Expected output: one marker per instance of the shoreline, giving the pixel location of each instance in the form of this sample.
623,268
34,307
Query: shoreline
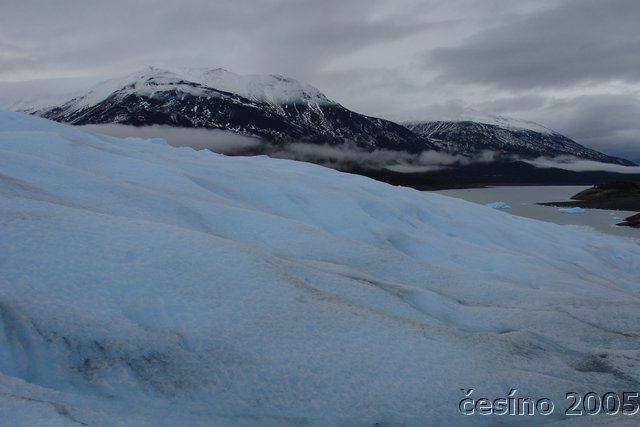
616,196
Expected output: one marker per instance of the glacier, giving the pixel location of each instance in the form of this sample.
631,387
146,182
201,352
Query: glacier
148,285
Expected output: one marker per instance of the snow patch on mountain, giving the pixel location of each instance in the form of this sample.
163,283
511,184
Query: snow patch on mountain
144,82
272,89
418,116
471,115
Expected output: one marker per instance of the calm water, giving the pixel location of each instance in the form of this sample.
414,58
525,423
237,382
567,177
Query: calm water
522,202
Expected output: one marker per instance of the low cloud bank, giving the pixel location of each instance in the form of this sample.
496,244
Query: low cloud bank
349,156
581,165
346,156
220,141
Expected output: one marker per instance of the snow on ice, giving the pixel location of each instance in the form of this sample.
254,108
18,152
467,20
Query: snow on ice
146,285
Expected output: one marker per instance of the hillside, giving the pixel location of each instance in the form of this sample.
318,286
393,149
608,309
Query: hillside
520,139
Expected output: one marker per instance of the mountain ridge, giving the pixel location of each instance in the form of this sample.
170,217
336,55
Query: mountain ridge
275,108
526,141
282,110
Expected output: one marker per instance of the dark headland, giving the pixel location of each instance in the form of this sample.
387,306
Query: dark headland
619,195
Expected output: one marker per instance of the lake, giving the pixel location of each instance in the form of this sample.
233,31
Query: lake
522,201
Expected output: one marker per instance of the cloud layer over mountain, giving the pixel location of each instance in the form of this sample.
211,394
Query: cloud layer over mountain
563,63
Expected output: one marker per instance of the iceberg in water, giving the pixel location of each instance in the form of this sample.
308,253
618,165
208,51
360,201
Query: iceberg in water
145,285
575,210
498,205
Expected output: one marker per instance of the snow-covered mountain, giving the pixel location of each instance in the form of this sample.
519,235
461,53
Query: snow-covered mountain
275,108
273,89
506,136
146,285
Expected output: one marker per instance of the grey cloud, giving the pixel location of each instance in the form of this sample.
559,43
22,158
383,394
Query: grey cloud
275,36
596,115
392,89
578,41
491,55
579,165
39,93
512,105
452,110
338,157
345,157
624,144
608,123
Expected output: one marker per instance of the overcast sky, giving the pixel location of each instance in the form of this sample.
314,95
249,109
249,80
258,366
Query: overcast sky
572,65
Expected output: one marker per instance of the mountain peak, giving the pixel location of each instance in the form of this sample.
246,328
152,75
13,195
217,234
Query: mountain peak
476,116
270,88
276,90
